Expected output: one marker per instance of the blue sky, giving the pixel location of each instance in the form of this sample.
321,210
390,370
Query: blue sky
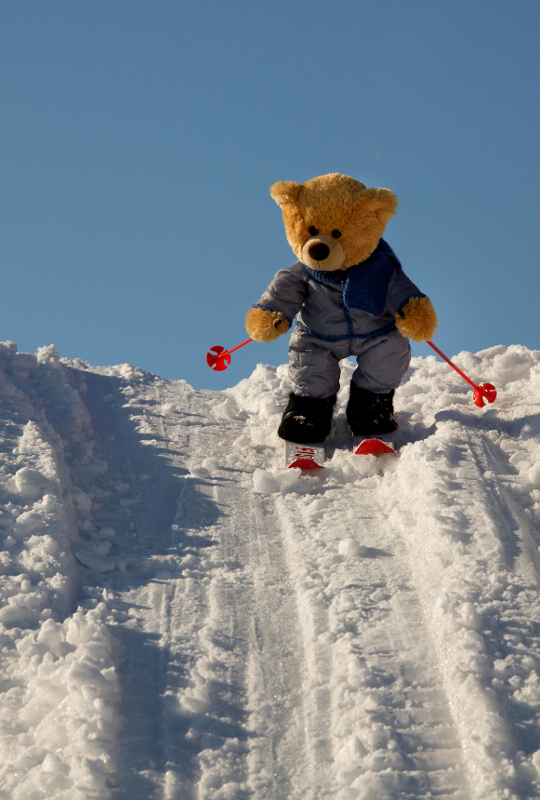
139,140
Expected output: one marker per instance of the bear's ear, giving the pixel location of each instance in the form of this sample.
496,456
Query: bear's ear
284,192
382,202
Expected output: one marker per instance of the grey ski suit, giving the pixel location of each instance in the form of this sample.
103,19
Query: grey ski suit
341,314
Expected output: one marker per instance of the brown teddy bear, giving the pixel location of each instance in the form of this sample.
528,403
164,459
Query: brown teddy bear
350,297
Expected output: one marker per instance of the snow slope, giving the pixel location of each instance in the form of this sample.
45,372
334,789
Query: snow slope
180,618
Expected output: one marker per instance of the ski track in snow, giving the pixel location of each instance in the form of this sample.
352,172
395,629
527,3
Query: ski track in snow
182,619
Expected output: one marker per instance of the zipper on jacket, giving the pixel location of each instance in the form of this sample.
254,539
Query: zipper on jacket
350,328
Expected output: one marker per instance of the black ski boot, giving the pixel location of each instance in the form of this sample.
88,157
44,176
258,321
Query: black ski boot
307,419
370,414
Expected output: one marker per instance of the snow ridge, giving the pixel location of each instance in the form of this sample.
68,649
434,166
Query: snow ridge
60,690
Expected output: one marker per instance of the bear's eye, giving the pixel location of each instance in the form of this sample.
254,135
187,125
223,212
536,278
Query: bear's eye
336,234
313,230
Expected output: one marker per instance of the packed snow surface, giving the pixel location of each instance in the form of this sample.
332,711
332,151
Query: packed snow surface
181,618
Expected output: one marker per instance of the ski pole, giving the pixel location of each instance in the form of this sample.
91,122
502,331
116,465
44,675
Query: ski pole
486,390
219,359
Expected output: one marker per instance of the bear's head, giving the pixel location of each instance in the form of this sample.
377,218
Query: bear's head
333,222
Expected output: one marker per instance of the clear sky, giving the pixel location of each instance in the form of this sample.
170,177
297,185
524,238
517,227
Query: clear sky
139,140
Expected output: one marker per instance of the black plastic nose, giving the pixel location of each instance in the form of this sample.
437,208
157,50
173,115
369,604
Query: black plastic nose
318,251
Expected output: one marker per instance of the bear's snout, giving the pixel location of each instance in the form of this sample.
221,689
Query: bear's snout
323,252
318,251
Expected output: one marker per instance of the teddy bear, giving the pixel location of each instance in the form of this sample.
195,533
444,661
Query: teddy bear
350,297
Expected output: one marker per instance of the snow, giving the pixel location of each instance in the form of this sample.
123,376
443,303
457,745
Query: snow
182,618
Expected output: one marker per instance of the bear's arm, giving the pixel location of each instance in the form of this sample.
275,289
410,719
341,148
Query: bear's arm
286,293
272,316
415,316
400,290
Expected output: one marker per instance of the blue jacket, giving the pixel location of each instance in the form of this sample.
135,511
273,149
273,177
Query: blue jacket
359,302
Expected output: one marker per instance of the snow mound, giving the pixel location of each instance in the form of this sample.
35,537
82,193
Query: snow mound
179,614
60,696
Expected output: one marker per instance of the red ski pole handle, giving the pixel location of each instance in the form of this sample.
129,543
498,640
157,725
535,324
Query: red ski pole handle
219,359
485,391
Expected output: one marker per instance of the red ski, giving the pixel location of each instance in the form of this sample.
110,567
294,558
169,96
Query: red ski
304,456
374,445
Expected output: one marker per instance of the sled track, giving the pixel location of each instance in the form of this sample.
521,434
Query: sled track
214,669
266,668
380,717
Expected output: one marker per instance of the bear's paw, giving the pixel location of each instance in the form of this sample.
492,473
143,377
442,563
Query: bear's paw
264,325
417,320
